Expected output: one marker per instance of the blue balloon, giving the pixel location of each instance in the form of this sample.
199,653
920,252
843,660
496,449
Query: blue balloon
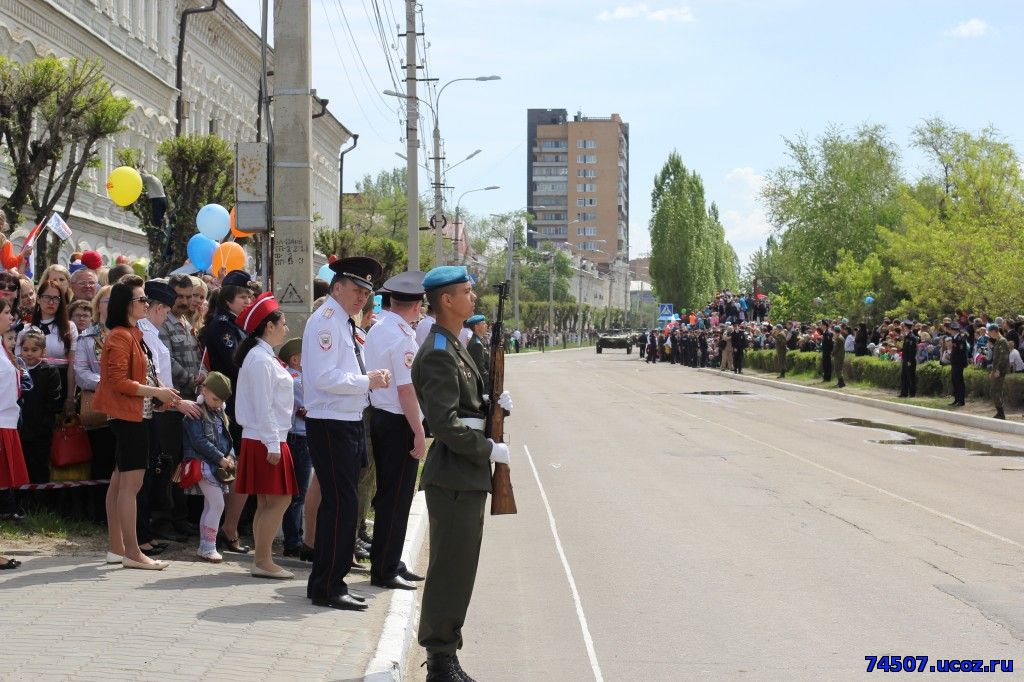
325,273
200,251
213,221
869,299
378,300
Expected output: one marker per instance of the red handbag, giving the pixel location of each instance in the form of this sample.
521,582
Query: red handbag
188,473
70,444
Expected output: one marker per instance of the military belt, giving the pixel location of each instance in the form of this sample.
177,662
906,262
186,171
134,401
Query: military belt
475,423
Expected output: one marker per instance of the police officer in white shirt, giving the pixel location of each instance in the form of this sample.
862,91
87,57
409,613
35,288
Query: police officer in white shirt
335,390
423,327
396,429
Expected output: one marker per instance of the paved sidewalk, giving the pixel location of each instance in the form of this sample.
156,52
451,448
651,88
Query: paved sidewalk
75,618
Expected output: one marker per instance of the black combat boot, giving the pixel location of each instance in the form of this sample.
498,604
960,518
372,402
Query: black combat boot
442,667
1000,414
841,384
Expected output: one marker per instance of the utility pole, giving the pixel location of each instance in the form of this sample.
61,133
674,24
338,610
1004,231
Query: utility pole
551,297
292,156
437,222
412,142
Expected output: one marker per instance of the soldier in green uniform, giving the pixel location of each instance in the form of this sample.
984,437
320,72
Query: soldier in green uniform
838,354
457,472
1000,367
781,339
478,349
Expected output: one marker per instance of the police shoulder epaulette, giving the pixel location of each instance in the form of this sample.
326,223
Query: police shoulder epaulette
440,342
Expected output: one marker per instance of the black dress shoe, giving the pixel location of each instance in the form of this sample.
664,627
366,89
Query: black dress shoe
395,583
306,552
235,545
365,537
445,668
153,551
358,597
409,575
343,602
361,554
293,551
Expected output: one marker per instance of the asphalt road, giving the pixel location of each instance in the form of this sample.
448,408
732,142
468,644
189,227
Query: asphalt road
667,536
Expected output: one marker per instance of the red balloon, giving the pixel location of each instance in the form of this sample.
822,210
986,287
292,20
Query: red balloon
9,259
332,258
122,260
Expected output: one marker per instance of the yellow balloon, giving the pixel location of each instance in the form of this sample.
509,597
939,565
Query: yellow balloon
124,185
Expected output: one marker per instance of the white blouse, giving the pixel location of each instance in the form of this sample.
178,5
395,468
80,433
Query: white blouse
264,398
55,353
10,379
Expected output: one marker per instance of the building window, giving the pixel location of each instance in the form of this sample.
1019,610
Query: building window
553,144
586,231
550,187
589,246
586,202
583,217
586,172
586,158
586,187
554,158
586,144
552,216
555,231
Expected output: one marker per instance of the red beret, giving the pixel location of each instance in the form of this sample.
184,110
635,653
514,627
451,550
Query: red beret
92,260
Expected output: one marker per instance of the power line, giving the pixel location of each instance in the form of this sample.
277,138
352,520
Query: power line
368,80
359,104
377,27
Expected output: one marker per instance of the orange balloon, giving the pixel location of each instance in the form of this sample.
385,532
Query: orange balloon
239,234
230,256
8,258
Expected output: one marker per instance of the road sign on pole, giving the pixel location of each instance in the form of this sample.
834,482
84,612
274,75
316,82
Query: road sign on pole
665,309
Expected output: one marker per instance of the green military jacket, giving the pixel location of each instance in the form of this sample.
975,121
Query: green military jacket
781,337
481,355
838,348
449,388
1001,356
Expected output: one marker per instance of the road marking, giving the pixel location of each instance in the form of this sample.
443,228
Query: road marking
883,491
587,639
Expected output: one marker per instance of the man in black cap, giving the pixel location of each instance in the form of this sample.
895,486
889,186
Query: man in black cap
958,359
335,391
396,430
826,351
908,361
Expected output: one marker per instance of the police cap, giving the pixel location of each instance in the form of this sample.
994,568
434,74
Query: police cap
360,269
405,286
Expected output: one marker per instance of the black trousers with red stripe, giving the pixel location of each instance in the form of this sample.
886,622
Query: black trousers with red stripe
396,484
338,450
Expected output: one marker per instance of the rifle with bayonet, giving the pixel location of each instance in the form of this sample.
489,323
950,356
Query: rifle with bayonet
503,500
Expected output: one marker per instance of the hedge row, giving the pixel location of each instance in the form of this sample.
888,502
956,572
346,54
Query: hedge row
932,378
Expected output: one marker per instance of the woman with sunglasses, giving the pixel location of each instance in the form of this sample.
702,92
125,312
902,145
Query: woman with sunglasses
13,472
125,393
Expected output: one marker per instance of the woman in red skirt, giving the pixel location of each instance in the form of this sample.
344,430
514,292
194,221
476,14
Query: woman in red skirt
263,406
12,463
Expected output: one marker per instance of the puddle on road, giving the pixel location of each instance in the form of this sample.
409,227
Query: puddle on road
929,438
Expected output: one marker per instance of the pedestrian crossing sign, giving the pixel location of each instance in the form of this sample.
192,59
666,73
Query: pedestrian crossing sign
665,309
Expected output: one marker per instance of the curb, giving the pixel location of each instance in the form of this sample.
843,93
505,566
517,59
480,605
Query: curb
986,423
556,350
399,624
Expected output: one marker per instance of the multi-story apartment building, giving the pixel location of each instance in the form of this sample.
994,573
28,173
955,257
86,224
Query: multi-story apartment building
137,41
578,183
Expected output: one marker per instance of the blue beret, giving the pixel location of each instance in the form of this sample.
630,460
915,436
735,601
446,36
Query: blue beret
992,326
476,319
238,278
444,275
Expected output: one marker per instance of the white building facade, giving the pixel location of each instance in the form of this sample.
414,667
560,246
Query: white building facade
137,40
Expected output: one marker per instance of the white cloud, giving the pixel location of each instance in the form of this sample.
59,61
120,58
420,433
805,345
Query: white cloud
642,11
972,28
746,224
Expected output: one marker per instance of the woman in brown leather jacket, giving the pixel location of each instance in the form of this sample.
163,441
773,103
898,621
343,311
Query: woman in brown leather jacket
125,393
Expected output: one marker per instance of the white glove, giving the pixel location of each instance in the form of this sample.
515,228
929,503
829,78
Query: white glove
499,453
505,400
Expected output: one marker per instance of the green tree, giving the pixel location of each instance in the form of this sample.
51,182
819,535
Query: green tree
830,198
53,114
958,246
690,258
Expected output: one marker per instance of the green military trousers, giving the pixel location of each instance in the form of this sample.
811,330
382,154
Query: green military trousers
996,388
456,531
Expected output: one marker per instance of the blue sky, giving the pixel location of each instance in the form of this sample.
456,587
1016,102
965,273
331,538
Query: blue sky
722,82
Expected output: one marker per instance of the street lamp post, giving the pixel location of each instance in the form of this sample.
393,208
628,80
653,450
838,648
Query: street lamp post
579,301
458,205
437,221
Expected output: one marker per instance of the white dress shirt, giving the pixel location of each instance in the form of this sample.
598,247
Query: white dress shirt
264,398
391,345
334,386
465,336
54,352
423,328
848,344
161,355
1016,363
